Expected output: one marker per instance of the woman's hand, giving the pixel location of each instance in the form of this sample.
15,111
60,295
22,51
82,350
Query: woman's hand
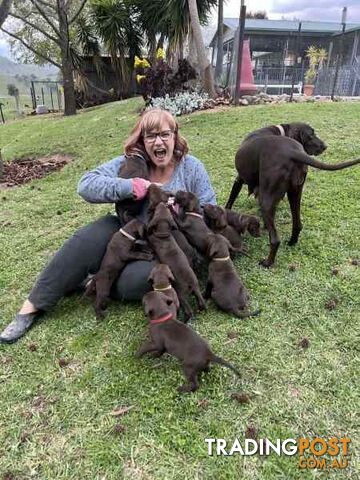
140,187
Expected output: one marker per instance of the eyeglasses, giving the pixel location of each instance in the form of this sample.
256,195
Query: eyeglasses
165,136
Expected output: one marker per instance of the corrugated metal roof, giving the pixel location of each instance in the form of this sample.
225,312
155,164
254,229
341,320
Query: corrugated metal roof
289,25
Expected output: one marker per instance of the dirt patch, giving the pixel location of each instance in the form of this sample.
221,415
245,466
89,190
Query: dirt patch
23,170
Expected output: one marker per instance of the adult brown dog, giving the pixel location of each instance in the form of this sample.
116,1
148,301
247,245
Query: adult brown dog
161,277
119,252
224,285
273,161
132,167
171,336
168,251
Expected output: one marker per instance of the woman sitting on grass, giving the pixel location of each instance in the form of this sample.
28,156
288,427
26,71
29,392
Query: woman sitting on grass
155,137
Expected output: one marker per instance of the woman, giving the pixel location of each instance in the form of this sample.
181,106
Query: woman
156,138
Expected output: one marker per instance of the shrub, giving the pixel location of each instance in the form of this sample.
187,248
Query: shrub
159,79
181,103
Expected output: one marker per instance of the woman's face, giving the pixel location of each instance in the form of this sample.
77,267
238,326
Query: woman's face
159,145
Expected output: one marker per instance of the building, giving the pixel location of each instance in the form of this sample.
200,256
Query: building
277,50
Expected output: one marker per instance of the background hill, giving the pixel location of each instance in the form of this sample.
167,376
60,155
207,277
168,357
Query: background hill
21,75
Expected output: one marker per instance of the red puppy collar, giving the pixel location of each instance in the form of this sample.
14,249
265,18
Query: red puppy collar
162,319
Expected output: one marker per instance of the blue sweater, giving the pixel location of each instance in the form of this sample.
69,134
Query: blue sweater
103,185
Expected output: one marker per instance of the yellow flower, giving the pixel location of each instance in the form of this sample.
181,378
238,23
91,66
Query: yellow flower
160,54
137,62
145,63
139,78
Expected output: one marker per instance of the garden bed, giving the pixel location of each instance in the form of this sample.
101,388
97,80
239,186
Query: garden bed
24,170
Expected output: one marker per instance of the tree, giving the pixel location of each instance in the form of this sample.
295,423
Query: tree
116,23
4,10
43,31
220,41
205,67
13,91
261,14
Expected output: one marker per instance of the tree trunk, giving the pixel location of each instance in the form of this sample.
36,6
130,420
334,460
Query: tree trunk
17,104
66,61
4,10
204,64
220,42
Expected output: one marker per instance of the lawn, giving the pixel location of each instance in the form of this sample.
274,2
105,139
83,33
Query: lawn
60,384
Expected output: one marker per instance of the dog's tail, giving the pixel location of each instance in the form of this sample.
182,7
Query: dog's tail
221,361
301,157
246,313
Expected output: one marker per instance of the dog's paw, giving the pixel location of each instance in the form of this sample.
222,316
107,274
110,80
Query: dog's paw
266,263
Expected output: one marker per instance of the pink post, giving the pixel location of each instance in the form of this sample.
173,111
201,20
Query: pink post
247,86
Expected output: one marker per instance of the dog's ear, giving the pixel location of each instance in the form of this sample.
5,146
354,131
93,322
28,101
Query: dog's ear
151,276
172,223
228,244
141,230
253,226
152,224
220,221
169,273
212,248
193,203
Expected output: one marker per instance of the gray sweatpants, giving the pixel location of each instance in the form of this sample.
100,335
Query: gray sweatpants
80,255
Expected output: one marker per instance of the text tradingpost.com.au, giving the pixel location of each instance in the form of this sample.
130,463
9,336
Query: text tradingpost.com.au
312,453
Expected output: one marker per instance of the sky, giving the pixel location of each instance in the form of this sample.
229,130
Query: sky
325,10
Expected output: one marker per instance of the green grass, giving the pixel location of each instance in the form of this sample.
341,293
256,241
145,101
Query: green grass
56,423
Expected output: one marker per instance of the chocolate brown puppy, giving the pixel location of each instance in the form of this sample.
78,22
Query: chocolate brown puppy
215,217
274,161
191,220
156,195
171,336
224,285
161,277
243,223
119,252
168,251
134,166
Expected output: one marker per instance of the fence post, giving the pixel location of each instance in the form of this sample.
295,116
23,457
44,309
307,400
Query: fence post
297,53
340,55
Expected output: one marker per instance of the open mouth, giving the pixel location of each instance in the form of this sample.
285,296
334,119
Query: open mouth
160,153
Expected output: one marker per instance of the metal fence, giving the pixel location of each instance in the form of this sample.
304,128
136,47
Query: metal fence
347,82
278,79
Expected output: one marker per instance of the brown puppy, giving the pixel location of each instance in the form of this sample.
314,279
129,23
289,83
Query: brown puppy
133,166
243,222
169,252
118,253
215,217
191,220
273,161
156,195
224,285
171,336
161,278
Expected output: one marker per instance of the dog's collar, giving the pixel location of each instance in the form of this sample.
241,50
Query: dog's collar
281,130
127,235
194,214
162,319
221,259
162,289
